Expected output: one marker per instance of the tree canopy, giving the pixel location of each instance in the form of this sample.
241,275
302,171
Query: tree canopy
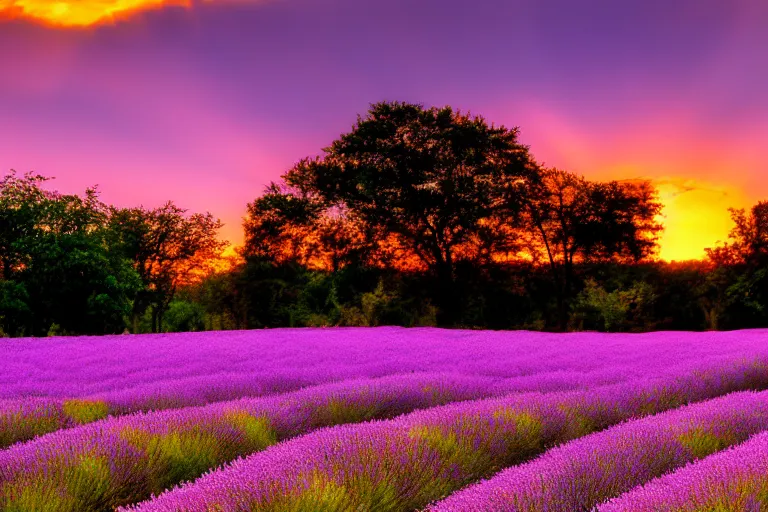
572,220
58,273
431,178
427,189
72,264
167,248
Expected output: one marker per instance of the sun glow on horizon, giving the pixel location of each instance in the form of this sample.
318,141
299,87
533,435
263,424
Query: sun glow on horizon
80,13
695,217
697,182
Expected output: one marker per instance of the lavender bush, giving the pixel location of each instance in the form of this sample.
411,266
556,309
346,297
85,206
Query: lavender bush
733,481
585,472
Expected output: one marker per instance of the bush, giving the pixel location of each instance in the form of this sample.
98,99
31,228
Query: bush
352,316
621,310
183,316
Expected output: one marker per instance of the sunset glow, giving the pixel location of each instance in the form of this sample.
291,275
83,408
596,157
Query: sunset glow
695,217
207,103
79,13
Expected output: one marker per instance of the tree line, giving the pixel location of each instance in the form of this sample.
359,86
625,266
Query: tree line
416,216
74,265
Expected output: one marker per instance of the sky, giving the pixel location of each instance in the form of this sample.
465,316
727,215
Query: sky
204,102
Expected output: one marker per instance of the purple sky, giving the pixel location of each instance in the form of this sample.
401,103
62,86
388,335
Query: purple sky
205,105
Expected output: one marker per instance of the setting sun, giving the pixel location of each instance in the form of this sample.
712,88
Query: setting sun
694,218
79,13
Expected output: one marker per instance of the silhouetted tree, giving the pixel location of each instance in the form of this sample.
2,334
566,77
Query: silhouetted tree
427,180
749,237
740,266
278,224
287,226
572,220
168,248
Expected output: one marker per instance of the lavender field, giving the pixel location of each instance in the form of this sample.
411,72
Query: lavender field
385,419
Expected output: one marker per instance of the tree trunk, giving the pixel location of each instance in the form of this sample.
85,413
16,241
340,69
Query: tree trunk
6,269
447,299
565,295
562,311
154,319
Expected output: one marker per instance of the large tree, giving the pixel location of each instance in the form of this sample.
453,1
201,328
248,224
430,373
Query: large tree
741,266
427,183
168,248
58,272
748,239
22,203
575,221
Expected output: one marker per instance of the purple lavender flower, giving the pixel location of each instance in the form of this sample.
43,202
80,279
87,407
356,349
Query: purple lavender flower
405,463
731,481
587,471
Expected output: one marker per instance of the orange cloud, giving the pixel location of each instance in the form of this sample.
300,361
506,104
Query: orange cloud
79,13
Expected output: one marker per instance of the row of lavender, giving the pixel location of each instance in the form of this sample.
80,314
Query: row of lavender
24,419
410,461
49,385
735,480
149,452
585,473
146,364
629,459
91,366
